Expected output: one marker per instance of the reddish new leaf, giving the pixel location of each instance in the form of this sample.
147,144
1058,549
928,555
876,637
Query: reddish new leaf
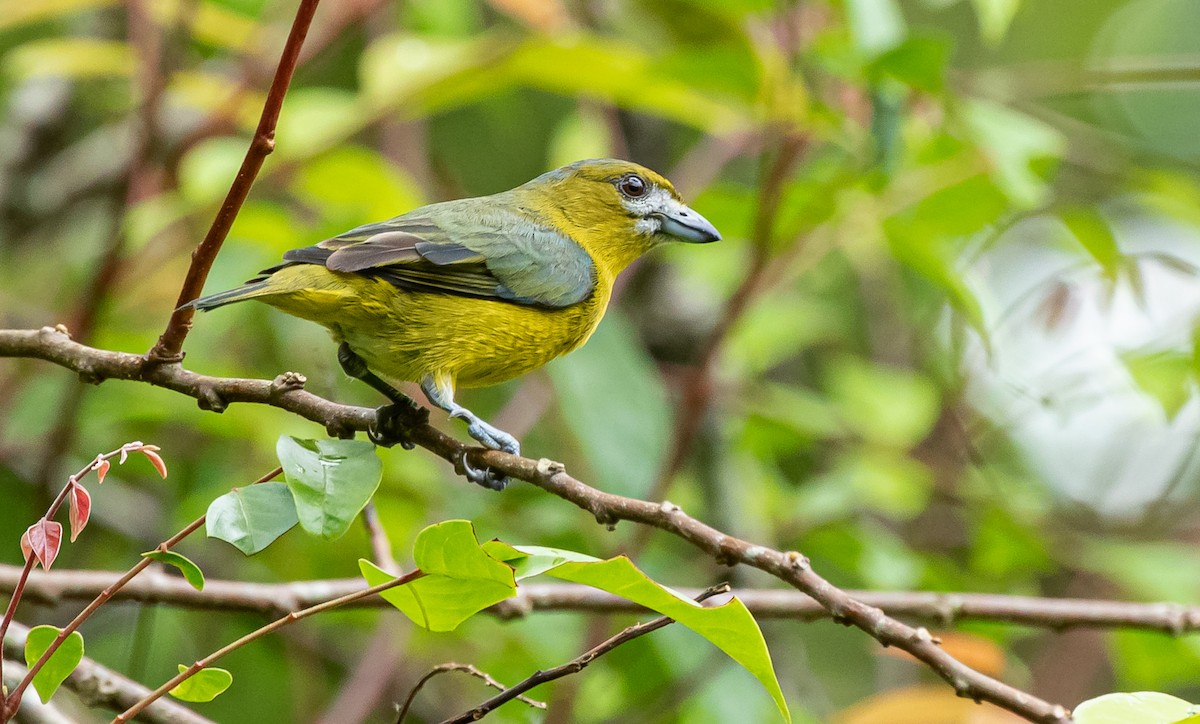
102,470
155,459
81,509
26,546
42,540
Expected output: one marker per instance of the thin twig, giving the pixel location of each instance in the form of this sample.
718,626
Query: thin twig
169,345
463,668
791,567
275,625
579,663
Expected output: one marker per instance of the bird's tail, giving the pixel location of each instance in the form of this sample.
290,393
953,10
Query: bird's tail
249,290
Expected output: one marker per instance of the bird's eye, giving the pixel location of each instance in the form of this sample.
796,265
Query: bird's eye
633,186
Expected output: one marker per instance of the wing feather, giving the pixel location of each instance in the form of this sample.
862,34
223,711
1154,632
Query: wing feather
466,249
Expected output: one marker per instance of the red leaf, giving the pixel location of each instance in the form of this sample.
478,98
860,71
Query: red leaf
43,540
26,546
81,509
155,460
102,470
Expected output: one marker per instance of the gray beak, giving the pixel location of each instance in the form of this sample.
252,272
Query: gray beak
686,225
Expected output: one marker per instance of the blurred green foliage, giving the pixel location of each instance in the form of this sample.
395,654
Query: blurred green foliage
967,361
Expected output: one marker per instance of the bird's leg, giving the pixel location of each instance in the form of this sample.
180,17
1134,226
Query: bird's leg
393,421
440,391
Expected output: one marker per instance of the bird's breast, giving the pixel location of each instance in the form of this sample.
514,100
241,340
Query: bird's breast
478,342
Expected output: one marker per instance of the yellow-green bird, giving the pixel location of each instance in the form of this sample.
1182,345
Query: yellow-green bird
473,292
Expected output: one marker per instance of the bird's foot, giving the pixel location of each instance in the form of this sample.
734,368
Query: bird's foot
489,436
394,422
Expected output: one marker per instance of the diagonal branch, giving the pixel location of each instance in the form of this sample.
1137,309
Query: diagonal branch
53,344
169,345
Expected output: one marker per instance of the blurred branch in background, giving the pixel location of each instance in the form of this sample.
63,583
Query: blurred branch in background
942,609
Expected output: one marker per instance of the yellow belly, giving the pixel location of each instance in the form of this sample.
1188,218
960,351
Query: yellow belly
407,335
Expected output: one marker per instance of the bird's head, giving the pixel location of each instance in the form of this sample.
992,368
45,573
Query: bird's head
618,210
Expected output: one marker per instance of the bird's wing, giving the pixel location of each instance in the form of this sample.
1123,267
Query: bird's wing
465,250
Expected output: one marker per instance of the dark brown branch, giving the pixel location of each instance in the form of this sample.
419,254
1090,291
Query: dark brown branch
169,345
579,663
696,389
791,567
99,686
940,609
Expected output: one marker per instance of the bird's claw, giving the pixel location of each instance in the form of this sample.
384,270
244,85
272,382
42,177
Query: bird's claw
492,438
393,423
484,477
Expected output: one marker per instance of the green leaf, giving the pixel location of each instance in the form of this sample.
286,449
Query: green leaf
730,626
1013,142
59,666
251,518
460,578
919,62
1095,234
620,73
14,13
331,481
191,571
597,387
994,17
355,183
532,561
70,58
877,25
1142,707
317,118
930,235
883,404
1165,376
204,685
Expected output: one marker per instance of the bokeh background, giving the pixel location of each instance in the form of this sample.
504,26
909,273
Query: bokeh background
948,343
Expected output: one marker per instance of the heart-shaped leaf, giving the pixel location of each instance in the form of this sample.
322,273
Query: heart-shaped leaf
42,541
252,518
59,666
